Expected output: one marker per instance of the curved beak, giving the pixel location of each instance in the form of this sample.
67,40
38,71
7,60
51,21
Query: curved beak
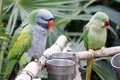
106,23
50,24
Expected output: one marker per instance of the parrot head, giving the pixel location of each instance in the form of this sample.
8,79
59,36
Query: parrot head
44,18
101,18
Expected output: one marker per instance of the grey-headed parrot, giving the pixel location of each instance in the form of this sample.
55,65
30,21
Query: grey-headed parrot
30,38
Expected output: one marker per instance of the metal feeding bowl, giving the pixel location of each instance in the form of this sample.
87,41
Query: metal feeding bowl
70,56
60,69
115,61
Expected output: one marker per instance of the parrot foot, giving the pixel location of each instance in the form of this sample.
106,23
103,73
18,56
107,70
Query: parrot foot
36,59
103,48
91,52
38,62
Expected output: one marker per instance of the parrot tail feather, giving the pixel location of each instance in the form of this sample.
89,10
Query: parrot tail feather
89,69
9,68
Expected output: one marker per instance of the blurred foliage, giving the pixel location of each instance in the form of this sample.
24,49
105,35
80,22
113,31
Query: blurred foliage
70,18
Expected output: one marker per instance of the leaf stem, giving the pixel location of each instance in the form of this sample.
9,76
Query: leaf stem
0,12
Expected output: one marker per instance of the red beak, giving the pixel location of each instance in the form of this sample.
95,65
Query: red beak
50,24
107,23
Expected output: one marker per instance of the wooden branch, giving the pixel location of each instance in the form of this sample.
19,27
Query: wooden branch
83,55
29,71
103,52
78,73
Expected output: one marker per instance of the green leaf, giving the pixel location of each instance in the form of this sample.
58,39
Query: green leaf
118,1
73,17
26,6
5,35
4,39
102,72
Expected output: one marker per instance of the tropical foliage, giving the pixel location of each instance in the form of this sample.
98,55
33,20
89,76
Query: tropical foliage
70,17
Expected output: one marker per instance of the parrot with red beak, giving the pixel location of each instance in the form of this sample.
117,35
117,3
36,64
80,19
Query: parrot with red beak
94,36
30,39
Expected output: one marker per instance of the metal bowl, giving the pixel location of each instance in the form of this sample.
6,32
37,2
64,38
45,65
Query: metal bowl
60,69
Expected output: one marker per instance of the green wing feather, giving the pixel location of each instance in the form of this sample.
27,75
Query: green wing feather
15,36
21,45
21,42
9,68
24,60
85,37
17,33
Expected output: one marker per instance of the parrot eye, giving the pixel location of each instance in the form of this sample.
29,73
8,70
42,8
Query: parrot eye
44,19
107,22
50,19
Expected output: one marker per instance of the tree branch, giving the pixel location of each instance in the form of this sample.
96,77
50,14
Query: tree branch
103,52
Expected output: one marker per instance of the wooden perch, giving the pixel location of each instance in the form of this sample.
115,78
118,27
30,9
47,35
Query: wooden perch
29,72
103,52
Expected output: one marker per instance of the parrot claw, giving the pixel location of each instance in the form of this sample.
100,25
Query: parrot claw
91,52
36,60
103,48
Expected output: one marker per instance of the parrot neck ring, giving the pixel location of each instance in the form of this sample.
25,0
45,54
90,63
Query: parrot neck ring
45,26
107,23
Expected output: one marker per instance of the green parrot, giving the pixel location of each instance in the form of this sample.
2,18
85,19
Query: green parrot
30,38
94,36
